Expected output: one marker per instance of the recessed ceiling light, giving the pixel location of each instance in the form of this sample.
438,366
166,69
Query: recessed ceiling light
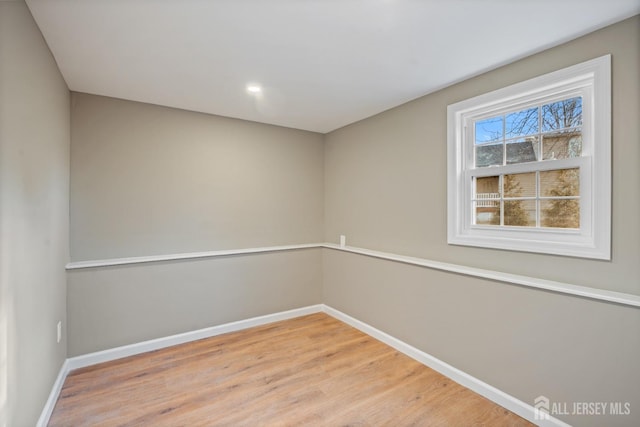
252,88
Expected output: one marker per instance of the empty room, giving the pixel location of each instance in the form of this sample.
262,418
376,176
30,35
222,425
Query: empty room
318,212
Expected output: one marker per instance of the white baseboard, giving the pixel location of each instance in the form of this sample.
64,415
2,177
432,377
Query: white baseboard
501,398
53,396
156,344
159,343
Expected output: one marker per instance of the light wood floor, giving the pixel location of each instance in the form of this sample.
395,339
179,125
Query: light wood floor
312,370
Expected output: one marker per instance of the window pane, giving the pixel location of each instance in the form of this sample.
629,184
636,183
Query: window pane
562,114
522,150
487,215
522,123
561,145
489,130
561,213
488,187
520,213
560,183
520,185
489,155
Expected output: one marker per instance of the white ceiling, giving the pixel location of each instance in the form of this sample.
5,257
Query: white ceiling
322,63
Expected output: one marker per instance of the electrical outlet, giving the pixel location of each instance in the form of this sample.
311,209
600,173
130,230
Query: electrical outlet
59,330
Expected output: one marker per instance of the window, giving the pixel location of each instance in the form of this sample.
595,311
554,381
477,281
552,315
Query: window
529,165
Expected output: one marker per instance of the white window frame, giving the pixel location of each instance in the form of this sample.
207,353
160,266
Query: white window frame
592,81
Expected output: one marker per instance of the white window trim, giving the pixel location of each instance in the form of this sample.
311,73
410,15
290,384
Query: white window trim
593,240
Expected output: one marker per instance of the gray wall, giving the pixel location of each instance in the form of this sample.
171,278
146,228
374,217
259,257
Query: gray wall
114,306
34,216
386,176
149,180
385,189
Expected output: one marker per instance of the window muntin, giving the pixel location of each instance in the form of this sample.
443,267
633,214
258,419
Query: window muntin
516,136
549,198
529,198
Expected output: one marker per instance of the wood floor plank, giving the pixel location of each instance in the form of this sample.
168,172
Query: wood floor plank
312,370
